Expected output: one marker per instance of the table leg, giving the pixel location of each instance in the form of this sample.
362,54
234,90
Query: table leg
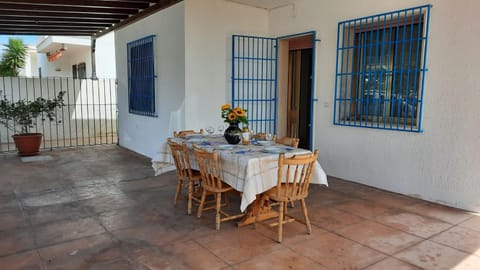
260,206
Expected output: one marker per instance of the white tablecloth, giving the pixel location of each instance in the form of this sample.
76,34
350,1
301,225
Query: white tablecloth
248,168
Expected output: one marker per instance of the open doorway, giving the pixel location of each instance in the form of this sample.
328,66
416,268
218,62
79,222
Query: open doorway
295,67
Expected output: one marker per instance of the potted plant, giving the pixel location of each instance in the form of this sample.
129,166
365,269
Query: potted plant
233,116
20,116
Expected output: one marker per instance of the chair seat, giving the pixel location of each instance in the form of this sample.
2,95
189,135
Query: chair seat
225,187
283,196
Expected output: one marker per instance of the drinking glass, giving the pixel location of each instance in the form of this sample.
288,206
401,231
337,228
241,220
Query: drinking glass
210,130
269,137
221,128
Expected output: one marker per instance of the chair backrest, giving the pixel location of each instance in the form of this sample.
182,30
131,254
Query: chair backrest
209,169
181,159
289,141
294,173
259,136
262,136
184,133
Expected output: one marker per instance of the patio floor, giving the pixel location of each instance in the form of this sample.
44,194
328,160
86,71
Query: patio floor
101,208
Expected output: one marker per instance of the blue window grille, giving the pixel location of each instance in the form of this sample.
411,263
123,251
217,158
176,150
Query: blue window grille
380,70
254,80
141,76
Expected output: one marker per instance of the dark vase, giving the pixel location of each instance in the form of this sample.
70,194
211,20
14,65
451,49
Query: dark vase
233,134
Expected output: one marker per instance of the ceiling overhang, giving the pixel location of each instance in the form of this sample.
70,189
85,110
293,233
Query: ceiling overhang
73,17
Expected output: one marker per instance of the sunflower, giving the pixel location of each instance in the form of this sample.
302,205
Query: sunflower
239,111
225,107
232,116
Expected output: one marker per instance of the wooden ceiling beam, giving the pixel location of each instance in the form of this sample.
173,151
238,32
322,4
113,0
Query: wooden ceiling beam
47,24
84,3
56,20
74,17
48,27
54,15
43,32
60,29
70,9
163,4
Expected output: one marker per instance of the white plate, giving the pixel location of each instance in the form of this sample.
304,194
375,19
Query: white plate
197,140
264,143
274,150
225,147
194,136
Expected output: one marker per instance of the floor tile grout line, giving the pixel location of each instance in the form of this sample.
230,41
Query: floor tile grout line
380,251
374,218
391,257
457,249
420,201
294,251
211,252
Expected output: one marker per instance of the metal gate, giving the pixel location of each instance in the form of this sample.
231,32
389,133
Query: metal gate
89,116
254,80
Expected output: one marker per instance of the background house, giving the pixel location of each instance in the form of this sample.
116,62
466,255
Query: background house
193,65
73,56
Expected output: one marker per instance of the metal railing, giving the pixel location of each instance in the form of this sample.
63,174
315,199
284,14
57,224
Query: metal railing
89,116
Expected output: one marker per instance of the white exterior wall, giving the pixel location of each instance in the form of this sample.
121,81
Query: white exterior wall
440,164
76,54
209,26
63,66
30,69
105,56
142,134
195,64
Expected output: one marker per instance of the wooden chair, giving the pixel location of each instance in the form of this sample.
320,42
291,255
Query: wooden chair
185,174
184,133
292,184
262,136
289,141
259,136
212,183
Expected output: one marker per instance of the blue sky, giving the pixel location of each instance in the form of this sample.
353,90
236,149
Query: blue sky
27,40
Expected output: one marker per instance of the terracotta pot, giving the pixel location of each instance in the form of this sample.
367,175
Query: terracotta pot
28,144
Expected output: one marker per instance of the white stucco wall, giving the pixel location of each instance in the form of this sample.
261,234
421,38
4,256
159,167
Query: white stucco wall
142,134
105,56
31,67
209,26
62,67
77,53
194,80
440,164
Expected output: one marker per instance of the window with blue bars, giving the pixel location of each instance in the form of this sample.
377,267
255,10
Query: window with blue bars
141,76
380,71
254,80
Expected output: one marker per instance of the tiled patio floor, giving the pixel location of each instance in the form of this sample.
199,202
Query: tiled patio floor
101,208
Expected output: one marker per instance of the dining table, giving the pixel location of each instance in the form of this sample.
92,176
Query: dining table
249,169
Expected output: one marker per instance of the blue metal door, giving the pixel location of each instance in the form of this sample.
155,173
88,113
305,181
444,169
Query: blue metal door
254,80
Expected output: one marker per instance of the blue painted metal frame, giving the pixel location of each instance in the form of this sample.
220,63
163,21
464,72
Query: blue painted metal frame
254,80
406,103
141,76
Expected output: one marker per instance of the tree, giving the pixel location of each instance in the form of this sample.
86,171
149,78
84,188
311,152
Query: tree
13,58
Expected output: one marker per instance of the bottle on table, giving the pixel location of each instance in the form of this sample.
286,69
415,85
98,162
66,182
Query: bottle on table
245,136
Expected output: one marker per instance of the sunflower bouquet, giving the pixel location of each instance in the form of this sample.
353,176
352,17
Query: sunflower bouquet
234,115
